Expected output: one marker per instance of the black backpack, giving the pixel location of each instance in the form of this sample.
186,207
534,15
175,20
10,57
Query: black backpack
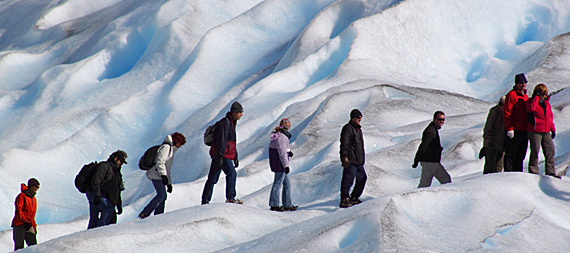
83,179
148,159
209,135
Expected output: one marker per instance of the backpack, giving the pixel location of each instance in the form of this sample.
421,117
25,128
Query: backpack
148,159
209,135
83,179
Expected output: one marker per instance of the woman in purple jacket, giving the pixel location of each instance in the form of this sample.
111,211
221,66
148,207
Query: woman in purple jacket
279,153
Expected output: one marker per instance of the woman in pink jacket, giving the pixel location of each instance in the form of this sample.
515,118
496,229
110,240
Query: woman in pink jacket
541,130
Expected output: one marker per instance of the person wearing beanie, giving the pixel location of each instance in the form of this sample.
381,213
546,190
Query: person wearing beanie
352,157
24,222
224,156
429,153
279,154
494,134
515,118
104,193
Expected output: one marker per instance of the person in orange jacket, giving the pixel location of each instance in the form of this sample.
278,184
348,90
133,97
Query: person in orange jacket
24,222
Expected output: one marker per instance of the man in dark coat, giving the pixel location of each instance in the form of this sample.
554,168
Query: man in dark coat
352,158
106,187
494,138
224,156
429,153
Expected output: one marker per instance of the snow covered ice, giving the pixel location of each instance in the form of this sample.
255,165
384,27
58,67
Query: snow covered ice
80,79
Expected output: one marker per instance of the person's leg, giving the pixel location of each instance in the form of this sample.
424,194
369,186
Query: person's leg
213,176
441,174
500,161
160,189
18,234
490,160
535,141
521,150
31,238
360,182
428,171
348,175
548,151
107,209
286,192
511,146
231,176
277,181
93,211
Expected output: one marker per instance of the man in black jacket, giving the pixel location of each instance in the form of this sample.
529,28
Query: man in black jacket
429,153
106,185
352,159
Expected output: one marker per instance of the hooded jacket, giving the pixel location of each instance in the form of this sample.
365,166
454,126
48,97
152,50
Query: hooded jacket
224,144
430,148
25,208
107,181
543,118
164,161
352,144
514,111
494,131
279,151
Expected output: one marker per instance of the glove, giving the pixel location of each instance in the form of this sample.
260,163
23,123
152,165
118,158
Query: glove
164,180
553,134
511,133
290,154
119,210
345,162
27,225
169,188
97,200
482,153
220,163
415,165
236,162
287,170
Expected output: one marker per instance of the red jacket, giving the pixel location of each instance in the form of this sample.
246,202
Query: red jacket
543,122
514,111
25,209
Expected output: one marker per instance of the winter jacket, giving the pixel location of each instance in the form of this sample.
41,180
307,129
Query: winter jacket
542,112
494,131
164,160
514,111
224,144
25,208
352,144
107,181
279,150
430,148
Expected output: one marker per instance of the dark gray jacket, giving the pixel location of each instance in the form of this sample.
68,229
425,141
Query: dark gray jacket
107,181
430,148
352,144
494,132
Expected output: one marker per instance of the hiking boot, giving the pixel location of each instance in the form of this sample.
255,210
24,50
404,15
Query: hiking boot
355,201
234,201
277,209
143,216
205,203
345,203
292,208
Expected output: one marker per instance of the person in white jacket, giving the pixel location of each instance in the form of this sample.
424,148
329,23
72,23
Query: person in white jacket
159,174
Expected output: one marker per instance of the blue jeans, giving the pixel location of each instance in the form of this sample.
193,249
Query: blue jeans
106,209
158,202
280,179
348,176
213,177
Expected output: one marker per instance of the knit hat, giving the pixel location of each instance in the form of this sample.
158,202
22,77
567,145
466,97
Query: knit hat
502,99
33,182
355,113
283,122
520,78
236,108
121,155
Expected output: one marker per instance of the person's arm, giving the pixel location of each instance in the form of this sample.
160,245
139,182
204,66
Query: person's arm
161,158
221,133
100,177
488,129
507,111
427,138
282,149
345,137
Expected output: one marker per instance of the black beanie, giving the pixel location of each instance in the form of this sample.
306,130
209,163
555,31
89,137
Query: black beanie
33,182
355,113
520,78
236,107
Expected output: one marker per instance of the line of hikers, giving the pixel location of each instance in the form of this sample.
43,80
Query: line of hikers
516,116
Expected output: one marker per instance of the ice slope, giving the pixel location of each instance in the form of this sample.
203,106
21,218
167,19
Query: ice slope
77,85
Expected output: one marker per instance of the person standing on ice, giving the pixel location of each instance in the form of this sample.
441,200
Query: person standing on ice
224,156
541,130
279,153
106,185
429,153
352,158
494,139
160,175
24,222
515,117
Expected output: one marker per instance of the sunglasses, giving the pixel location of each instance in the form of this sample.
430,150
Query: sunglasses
441,119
